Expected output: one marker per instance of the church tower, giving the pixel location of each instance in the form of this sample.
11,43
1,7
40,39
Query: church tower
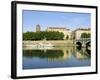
38,28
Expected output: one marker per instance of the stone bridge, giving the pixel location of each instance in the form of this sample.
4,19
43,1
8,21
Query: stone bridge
83,42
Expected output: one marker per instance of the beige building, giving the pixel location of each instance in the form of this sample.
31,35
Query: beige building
77,33
67,33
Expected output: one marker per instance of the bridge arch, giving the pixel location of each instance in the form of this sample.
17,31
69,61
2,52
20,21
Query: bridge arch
78,43
88,45
83,42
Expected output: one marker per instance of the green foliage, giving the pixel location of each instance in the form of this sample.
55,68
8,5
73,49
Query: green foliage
85,35
51,35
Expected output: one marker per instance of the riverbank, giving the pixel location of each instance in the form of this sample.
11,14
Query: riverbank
53,42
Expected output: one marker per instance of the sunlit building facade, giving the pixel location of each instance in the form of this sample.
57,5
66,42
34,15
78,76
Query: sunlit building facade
77,33
67,32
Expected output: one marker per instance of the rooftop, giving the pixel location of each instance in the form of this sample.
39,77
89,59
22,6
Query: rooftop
58,28
82,29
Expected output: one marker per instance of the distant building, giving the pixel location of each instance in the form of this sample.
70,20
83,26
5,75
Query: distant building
77,33
66,32
38,28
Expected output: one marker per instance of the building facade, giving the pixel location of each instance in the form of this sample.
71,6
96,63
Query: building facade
67,33
78,32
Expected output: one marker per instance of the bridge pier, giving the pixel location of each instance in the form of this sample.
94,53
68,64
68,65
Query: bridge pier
84,45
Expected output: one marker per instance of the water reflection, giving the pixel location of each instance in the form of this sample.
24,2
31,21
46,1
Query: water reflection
43,54
58,53
82,53
56,57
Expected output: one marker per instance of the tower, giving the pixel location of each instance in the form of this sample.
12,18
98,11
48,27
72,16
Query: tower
38,28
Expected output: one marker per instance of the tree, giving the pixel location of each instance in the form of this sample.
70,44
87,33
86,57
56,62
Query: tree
51,35
85,35
89,35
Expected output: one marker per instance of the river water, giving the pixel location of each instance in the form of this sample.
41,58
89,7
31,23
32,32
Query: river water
56,57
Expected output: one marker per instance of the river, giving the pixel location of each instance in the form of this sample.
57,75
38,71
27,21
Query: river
56,57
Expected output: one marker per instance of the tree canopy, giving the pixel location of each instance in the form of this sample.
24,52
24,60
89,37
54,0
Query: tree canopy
51,35
85,35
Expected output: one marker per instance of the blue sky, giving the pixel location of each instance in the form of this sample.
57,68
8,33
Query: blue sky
55,19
